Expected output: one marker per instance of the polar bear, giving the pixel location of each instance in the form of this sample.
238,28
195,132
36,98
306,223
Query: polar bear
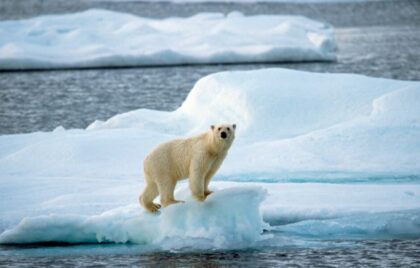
197,158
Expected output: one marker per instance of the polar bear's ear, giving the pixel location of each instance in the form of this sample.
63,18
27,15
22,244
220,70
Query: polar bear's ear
212,127
234,126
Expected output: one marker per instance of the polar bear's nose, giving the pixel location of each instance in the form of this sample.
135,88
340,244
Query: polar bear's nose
223,135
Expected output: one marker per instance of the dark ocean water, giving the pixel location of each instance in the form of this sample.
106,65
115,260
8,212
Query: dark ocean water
378,38
366,253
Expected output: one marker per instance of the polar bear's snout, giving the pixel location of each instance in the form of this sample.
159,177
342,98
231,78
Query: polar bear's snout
223,135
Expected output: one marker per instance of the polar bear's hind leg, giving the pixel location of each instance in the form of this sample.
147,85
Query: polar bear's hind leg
148,195
166,190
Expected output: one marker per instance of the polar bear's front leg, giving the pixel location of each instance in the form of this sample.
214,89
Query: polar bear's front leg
213,169
197,182
209,175
197,187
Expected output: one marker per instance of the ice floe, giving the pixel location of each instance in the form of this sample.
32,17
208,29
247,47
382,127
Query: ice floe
229,218
334,154
290,125
234,217
100,38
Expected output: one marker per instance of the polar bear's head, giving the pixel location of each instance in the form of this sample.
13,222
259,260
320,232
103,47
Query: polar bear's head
224,133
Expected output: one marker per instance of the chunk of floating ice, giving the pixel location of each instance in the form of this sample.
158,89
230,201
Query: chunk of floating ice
378,225
228,218
100,38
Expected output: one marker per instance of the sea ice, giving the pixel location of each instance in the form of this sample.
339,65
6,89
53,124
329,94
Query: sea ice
344,147
291,125
100,38
233,217
228,218
402,224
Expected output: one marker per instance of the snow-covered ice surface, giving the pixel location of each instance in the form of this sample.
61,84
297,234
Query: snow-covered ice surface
100,38
316,156
294,123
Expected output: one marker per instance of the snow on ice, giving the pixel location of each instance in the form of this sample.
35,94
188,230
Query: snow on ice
100,38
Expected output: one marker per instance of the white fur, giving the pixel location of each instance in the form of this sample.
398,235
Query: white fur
197,158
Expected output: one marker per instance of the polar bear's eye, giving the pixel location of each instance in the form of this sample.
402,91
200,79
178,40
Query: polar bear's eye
228,129
219,128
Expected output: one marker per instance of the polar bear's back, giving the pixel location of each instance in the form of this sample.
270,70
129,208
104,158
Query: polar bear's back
171,159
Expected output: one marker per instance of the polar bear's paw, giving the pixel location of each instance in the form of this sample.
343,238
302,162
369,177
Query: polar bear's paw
166,203
200,198
153,207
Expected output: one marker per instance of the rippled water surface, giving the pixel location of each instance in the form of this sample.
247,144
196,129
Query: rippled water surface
372,253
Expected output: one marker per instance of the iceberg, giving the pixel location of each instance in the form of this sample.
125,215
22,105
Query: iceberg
100,38
315,155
